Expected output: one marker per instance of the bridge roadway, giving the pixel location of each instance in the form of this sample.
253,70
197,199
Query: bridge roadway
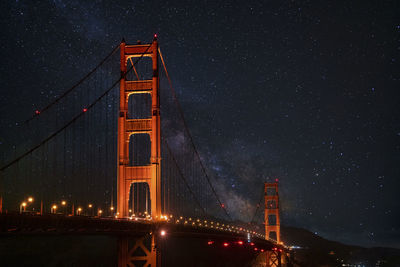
61,224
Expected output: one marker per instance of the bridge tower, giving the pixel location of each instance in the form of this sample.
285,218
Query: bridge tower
151,173
272,220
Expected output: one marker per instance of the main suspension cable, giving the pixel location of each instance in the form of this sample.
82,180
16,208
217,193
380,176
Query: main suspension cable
190,137
183,177
258,206
38,112
44,141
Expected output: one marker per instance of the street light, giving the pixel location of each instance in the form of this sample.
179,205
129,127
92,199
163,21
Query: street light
54,209
22,206
30,199
99,212
64,204
90,206
78,211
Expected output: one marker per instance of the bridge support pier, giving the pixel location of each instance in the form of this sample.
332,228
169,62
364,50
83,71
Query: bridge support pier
274,258
141,251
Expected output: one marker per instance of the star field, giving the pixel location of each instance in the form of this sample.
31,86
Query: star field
303,91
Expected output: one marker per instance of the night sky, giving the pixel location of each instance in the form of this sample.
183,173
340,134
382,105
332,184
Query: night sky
303,91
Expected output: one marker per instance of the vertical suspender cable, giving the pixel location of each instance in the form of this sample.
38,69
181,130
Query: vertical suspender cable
191,139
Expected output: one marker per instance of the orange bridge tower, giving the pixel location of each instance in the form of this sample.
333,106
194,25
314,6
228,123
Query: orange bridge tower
149,174
272,220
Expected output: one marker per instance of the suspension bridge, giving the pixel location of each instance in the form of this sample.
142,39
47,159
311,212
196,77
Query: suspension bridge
99,159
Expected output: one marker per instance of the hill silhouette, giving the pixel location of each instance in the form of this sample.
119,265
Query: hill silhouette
317,251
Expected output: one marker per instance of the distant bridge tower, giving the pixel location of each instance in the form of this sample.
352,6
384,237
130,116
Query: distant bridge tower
272,220
151,173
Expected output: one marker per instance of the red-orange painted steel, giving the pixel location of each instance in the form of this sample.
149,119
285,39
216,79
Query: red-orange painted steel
151,174
272,209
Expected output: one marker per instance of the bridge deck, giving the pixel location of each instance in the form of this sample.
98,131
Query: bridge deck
60,224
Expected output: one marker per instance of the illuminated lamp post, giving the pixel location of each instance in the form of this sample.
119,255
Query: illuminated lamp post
64,204
53,209
22,206
90,206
